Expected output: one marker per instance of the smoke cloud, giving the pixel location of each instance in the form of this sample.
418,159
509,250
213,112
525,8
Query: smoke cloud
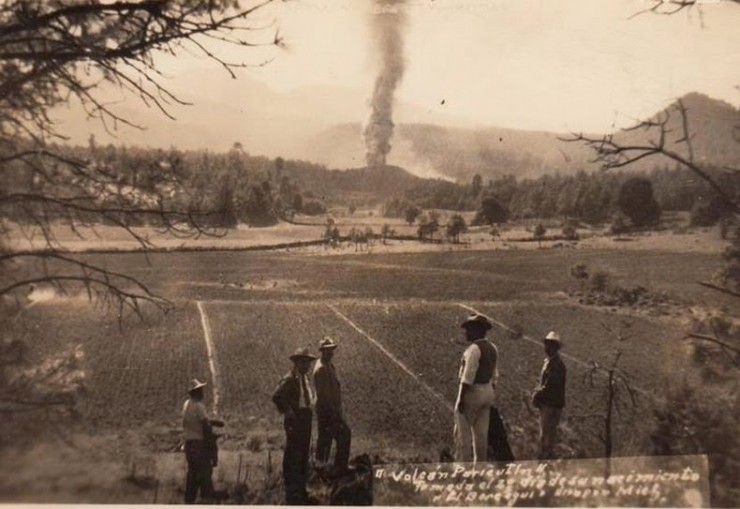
388,23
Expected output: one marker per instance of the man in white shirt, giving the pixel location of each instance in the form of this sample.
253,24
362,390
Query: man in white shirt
195,425
478,375
295,398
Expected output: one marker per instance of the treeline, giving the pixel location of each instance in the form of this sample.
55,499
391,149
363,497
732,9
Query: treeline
216,189
590,197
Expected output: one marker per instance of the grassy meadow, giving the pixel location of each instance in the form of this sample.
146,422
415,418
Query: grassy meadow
397,319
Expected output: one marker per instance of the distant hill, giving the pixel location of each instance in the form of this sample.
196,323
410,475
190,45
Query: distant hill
459,153
456,153
714,129
322,125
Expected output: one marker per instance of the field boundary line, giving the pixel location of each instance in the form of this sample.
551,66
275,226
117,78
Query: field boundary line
416,268
392,357
211,350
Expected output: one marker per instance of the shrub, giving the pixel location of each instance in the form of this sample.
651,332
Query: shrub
708,213
703,420
580,272
599,281
619,224
569,232
539,231
313,208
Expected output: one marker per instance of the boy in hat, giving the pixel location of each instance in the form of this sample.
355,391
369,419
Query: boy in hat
478,374
331,423
295,399
549,396
196,426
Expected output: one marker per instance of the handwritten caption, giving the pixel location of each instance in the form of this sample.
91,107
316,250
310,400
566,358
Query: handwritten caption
665,481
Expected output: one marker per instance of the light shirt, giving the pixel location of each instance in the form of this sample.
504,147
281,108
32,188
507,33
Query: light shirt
193,415
469,365
307,395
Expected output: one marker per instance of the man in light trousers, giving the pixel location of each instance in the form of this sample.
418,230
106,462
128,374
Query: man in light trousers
478,375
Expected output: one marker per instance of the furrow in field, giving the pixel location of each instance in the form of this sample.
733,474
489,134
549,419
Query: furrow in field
382,402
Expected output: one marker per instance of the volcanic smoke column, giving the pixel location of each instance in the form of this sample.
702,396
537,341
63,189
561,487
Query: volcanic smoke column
387,25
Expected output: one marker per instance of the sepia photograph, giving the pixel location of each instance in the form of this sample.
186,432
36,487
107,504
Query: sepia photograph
422,253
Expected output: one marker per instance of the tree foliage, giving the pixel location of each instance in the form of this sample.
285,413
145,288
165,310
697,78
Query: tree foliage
491,212
411,213
54,53
696,418
636,201
455,226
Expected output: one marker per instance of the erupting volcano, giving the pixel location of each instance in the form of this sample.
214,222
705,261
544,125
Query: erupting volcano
378,129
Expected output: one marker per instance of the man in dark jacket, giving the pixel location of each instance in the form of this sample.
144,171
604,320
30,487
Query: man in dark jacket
331,423
295,399
549,397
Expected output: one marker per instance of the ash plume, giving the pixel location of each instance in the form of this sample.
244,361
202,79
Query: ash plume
388,23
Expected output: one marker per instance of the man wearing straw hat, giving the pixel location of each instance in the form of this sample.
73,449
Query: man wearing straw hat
549,396
478,374
197,425
295,399
331,423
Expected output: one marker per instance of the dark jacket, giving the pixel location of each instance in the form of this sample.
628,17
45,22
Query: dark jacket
551,391
287,393
328,391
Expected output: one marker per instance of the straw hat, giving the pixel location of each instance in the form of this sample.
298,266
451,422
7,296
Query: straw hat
327,344
477,320
302,353
195,384
554,337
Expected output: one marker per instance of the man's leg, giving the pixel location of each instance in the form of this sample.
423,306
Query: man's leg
291,475
191,480
343,435
303,431
206,482
463,439
323,441
549,418
480,434
554,427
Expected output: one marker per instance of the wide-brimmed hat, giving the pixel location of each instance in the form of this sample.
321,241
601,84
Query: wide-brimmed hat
327,344
554,337
302,353
477,320
195,384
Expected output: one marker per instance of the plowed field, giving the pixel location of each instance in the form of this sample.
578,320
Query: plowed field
396,318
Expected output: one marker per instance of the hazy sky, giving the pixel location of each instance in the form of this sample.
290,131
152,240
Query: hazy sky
533,64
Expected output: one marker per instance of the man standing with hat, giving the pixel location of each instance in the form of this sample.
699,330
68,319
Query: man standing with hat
295,399
478,374
196,426
331,423
549,396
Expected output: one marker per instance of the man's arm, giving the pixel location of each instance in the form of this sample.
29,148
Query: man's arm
554,381
471,360
280,396
494,379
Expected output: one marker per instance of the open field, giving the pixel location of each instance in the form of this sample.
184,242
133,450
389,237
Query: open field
396,317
